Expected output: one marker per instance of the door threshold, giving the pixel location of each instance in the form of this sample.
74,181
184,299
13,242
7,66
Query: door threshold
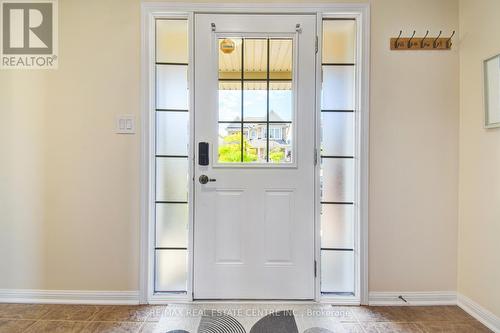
255,301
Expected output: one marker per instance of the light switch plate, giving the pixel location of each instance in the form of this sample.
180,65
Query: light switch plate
125,124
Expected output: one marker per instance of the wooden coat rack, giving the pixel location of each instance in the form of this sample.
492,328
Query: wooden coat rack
421,43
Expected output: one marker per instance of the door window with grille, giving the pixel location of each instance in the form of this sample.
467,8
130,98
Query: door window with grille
256,106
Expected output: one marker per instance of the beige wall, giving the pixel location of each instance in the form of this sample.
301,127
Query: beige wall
479,218
70,200
92,176
22,184
414,151
72,222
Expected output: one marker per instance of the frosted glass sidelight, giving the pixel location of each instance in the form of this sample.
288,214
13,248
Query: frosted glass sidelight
337,226
339,41
171,270
337,179
338,148
172,41
171,87
171,225
338,88
337,133
337,271
172,133
171,179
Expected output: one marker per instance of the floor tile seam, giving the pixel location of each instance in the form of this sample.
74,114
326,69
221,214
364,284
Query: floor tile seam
101,309
30,326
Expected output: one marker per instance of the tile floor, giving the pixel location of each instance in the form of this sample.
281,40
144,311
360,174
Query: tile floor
233,318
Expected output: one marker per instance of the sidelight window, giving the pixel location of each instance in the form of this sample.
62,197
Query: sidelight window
338,157
171,155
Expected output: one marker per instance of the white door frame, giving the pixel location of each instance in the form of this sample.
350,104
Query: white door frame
151,11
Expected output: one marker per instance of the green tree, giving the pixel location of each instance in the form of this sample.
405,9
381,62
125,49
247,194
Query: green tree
230,151
276,155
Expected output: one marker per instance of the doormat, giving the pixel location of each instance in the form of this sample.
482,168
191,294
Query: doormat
249,318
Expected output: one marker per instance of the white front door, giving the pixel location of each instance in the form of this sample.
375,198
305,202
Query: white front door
254,196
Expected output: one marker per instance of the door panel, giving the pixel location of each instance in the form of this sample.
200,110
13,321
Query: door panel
229,210
279,226
254,223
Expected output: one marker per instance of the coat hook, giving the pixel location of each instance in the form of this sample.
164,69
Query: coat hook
396,45
435,43
212,25
409,40
448,42
423,40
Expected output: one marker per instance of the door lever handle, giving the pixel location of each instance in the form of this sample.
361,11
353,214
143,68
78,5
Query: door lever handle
204,179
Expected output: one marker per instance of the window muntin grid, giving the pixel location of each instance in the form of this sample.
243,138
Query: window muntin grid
255,97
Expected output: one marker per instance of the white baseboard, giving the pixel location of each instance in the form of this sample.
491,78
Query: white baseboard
68,296
487,318
413,298
132,297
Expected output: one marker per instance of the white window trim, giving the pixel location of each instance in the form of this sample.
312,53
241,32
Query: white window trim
152,10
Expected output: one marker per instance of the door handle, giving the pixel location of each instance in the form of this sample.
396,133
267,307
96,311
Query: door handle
204,179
